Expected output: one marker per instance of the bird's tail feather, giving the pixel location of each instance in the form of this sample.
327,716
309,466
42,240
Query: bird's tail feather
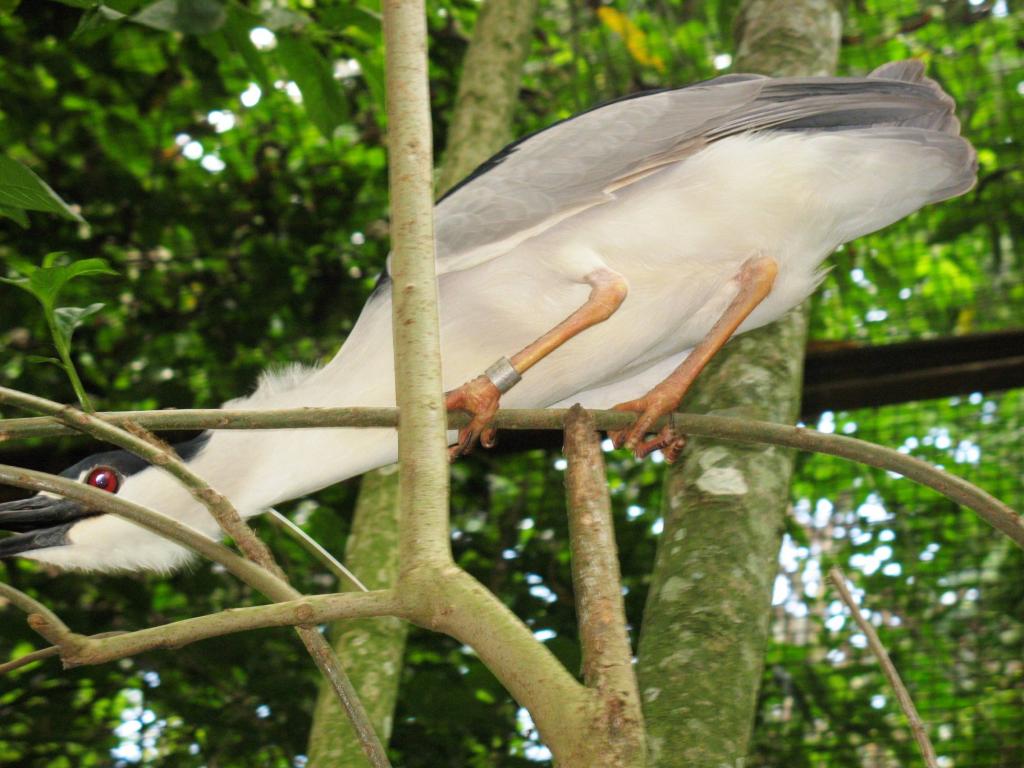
912,71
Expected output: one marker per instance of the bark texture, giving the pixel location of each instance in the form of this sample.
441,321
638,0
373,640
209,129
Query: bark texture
618,726
372,648
705,625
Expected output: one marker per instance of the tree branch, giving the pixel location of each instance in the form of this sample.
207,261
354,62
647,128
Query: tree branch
920,730
34,608
306,611
372,648
492,71
455,603
422,439
993,511
44,653
597,584
435,592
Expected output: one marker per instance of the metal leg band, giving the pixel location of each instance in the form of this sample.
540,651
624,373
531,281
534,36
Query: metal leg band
503,375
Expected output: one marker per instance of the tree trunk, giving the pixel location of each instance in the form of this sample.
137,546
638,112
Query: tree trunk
705,624
488,88
372,649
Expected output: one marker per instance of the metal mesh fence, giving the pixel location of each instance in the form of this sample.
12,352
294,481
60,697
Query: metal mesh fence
944,590
955,267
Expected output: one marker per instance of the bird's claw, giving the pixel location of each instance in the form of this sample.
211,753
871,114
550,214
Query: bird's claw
668,441
480,398
651,407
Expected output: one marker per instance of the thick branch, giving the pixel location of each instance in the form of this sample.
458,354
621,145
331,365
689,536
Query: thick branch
372,648
481,123
306,611
597,584
491,74
422,442
453,602
724,508
838,579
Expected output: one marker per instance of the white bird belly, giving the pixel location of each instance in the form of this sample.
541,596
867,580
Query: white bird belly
679,237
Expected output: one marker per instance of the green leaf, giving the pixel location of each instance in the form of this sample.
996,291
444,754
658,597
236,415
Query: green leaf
70,318
96,22
192,17
44,359
78,3
46,282
313,74
20,282
18,214
20,188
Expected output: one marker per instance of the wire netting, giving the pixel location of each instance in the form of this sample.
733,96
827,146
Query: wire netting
945,591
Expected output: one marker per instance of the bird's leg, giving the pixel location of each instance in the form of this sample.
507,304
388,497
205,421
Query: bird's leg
755,279
480,396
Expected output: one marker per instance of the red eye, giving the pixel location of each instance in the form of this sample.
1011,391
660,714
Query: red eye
104,478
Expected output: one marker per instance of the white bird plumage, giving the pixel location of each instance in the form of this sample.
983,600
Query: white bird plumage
673,191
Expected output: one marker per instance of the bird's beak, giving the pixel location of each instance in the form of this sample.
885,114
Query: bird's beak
40,521
40,511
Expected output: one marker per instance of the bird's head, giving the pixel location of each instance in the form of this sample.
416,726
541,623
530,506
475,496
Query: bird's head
67,533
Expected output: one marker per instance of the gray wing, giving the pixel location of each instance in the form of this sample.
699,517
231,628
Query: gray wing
535,183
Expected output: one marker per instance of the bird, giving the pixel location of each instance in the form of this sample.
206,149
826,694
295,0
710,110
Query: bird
602,261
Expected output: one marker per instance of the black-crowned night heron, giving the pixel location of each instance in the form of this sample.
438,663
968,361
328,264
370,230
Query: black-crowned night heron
603,259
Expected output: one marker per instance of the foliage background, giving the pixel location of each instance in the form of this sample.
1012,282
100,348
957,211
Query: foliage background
248,232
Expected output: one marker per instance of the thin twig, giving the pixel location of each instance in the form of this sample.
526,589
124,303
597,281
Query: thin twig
33,607
28,658
920,730
994,512
45,653
314,547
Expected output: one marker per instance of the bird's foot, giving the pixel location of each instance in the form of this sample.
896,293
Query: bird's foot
479,398
651,407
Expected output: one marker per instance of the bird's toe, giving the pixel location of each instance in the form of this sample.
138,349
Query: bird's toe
668,441
480,398
650,408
